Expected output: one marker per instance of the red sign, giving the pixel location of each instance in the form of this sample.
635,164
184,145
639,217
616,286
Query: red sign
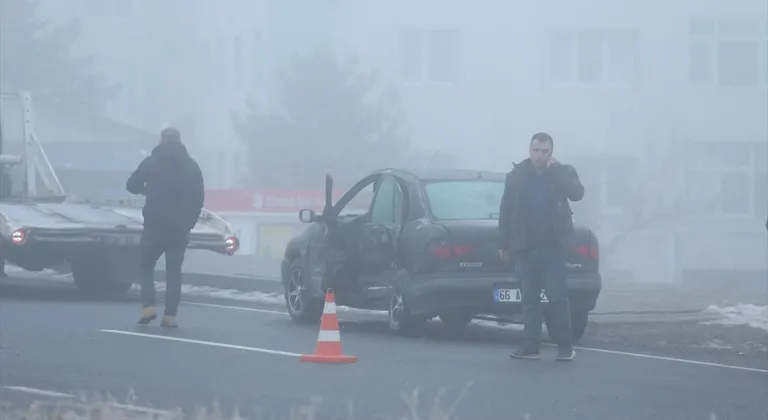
264,200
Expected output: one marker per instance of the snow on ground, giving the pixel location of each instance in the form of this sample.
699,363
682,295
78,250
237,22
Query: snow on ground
742,314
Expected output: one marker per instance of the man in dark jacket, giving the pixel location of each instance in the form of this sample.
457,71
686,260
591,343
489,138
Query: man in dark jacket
173,185
535,221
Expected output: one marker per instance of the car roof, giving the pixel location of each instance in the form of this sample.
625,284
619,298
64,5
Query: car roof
447,174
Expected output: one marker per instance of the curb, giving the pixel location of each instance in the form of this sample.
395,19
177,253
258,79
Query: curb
233,282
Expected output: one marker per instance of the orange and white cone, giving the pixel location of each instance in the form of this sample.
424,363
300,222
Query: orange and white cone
328,348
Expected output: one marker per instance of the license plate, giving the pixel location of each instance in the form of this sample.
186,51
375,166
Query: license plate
513,295
120,240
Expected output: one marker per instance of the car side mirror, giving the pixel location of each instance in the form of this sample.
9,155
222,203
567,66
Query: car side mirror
307,216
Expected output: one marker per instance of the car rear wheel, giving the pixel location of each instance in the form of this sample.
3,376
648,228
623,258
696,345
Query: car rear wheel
456,320
401,321
579,321
302,307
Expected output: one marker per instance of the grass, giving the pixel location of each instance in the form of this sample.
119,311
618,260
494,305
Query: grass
110,409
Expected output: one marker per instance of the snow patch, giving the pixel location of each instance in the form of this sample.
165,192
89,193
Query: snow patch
742,314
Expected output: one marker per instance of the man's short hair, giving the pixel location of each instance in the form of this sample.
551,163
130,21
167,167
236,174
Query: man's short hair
543,137
170,135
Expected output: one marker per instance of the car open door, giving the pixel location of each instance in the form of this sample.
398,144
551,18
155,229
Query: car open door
333,254
380,235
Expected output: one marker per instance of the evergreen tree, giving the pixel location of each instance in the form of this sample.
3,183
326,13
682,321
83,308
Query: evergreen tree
36,56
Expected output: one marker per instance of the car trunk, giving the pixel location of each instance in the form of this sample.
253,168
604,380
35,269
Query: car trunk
472,246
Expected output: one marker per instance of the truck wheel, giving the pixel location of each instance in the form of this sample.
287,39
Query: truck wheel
100,277
302,307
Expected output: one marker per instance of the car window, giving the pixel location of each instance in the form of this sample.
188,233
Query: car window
383,211
361,202
457,200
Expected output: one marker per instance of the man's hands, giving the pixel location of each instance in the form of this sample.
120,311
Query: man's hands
551,161
504,254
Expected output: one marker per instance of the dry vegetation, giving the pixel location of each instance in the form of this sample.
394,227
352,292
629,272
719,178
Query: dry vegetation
111,409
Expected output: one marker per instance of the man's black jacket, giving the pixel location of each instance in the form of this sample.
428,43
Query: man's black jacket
173,185
512,226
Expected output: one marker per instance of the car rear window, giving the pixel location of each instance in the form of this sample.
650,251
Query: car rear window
458,200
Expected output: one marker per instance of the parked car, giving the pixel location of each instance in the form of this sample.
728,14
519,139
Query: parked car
426,247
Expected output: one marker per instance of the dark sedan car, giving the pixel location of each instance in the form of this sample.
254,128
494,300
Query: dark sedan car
425,246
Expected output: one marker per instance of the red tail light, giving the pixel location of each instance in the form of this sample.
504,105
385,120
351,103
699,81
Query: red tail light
446,251
588,252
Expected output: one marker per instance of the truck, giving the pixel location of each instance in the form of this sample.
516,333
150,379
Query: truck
96,239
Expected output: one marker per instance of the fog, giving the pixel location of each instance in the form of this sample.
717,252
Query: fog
660,106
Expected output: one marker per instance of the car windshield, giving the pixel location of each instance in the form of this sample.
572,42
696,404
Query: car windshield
472,199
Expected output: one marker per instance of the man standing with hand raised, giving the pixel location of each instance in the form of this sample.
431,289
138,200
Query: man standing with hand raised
535,222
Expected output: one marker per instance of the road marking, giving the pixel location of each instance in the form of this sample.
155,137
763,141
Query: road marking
671,359
205,343
239,308
41,392
54,394
136,408
622,353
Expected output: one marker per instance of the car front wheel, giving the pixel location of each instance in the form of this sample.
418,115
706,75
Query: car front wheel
302,307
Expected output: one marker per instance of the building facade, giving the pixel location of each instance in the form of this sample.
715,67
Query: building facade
662,104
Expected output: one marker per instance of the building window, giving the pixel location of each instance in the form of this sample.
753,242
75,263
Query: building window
593,58
237,61
430,56
727,179
99,7
257,60
728,52
615,185
221,63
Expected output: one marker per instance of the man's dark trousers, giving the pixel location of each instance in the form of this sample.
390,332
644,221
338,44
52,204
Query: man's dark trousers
155,242
544,267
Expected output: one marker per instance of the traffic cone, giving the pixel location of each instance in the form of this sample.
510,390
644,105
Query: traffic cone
328,348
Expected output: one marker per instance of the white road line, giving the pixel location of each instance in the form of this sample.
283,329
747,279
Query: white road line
622,353
136,408
205,343
41,392
239,308
672,359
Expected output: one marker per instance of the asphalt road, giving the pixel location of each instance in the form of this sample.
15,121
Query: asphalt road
56,346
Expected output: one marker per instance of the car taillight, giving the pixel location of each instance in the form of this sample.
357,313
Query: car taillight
588,252
18,237
451,251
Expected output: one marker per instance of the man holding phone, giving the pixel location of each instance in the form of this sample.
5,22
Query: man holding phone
535,222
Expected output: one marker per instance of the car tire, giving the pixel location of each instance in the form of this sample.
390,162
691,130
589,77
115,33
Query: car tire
455,321
302,307
401,322
99,277
579,322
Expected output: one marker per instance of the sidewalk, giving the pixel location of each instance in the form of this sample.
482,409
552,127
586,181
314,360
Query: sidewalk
616,296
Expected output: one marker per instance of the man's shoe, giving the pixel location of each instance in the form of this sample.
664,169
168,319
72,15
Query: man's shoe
169,321
526,352
565,353
148,315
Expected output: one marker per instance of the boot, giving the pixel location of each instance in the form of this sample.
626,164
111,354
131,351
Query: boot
148,314
169,321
